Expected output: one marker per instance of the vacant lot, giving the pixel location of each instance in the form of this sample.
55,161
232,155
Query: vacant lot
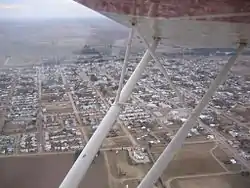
222,181
59,108
47,171
10,128
120,166
122,141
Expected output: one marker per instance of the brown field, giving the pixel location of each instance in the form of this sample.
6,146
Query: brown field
222,156
47,171
59,108
121,142
10,128
222,181
192,159
116,142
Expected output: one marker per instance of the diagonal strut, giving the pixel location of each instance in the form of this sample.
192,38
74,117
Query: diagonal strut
167,155
162,69
83,162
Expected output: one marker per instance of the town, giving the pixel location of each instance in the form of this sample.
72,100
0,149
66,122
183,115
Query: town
56,108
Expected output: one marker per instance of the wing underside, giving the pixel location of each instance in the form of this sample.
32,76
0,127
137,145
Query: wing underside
186,23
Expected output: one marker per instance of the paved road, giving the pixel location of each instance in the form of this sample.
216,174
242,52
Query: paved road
220,138
160,180
40,115
223,114
125,130
59,153
218,161
86,138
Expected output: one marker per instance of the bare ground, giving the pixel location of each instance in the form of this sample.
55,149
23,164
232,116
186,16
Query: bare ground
47,171
192,159
222,181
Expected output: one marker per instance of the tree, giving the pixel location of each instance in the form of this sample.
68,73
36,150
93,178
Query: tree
93,78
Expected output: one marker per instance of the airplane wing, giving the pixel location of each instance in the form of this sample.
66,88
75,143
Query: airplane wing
185,23
191,23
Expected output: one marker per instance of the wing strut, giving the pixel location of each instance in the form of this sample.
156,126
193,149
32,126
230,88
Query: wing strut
167,155
125,65
161,67
83,162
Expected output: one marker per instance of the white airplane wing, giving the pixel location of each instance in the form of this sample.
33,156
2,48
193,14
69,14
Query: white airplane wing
186,23
191,23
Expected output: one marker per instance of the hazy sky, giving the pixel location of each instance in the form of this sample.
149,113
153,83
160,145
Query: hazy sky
43,9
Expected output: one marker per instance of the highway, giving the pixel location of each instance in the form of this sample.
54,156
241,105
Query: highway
223,114
220,138
125,130
39,121
86,138
59,153
218,161
160,180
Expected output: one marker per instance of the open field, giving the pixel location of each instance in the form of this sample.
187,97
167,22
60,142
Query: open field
221,181
9,128
192,159
121,141
47,171
222,156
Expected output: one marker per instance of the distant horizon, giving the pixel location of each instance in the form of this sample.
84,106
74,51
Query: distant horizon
56,18
87,20
44,9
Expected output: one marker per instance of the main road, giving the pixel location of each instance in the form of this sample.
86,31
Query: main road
59,153
124,129
39,114
86,138
220,138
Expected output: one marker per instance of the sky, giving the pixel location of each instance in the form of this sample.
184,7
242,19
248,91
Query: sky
39,9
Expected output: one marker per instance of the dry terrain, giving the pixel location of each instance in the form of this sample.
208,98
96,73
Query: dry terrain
222,156
191,160
221,181
121,141
47,171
